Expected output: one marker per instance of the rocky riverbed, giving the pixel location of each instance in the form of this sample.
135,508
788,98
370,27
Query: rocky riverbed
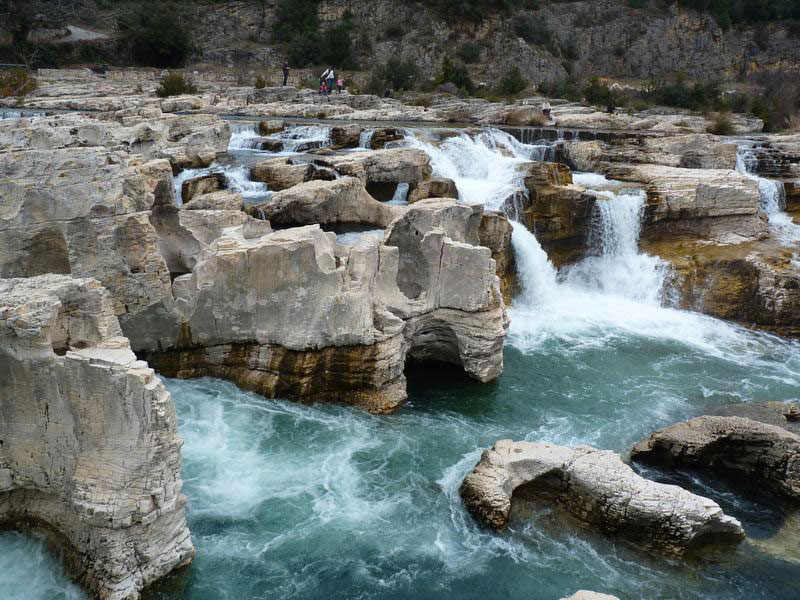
560,274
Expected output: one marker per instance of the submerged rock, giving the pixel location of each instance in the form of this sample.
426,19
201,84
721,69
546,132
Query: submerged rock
597,488
587,595
730,445
90,450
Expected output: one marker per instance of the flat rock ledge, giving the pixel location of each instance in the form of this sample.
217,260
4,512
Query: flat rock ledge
598,488
730,445
588,595
89,449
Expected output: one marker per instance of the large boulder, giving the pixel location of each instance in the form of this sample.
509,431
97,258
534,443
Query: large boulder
597,488
220,200
495,234
382,170
735,446
435,187
204,184
326,202
90,448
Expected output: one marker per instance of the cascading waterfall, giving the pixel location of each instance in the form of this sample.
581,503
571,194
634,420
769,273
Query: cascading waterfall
773,197
365,138
244,137
238,179
302,138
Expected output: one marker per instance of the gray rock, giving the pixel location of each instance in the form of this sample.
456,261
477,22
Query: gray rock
221,200
92,452
205,184
435,187
597,488
731,445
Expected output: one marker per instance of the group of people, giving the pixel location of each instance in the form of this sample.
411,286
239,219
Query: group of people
327,80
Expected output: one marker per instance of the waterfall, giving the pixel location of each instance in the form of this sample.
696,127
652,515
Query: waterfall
400,195
773,197
365,138
537,275
304,137
238,179
244,137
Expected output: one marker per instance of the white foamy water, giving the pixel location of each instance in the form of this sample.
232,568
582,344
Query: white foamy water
484,166
302,138
238,179
28,571
773,197
244,137
365,138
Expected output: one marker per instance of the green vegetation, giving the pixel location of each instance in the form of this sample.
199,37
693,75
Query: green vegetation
732,12
456,74
512,82
469,53
260,83
395,74
174,84
297,26
16,82
156,35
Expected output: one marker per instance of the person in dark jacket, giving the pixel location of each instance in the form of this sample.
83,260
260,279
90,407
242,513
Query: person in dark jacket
285,74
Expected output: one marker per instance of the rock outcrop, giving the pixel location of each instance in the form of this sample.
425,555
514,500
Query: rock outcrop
382,170
327,202
711,204
435,187
598,488
587,595
293,314
89,449
730,445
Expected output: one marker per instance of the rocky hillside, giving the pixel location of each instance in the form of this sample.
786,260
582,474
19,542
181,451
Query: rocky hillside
551,41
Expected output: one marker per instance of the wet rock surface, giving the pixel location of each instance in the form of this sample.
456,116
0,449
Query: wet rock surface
598,488
730,445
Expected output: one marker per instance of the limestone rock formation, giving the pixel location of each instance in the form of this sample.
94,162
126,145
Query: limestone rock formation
732,445
220,200
282,173
325,202
293,314
495,234
435,187
204,184
90,450
598,488
710,204
382,170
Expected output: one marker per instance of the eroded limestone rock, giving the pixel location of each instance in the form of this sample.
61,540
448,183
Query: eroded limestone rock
435,187
598,488
90,449
326,202
730,445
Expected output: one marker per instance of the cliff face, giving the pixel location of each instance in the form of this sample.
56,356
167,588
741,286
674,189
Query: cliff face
580,39
594,37
89,447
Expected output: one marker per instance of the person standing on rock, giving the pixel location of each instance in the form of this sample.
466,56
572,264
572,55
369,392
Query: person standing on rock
331,80
339,84
285,74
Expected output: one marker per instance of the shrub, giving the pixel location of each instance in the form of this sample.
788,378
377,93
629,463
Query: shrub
393,31
424,100
533,31
721,125
469,53
761,36
157,36
566,88
174,84
260,83
17,82
456,74
599,93
512,82
793,123
396,74
294,18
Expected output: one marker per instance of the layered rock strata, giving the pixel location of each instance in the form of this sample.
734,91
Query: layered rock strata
89,449
597,488
293,314
731,445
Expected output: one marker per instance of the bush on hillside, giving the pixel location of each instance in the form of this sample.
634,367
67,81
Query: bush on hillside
260,83
395,74
17,83
156,35
174,84
469,53
512,82
456,74
533,31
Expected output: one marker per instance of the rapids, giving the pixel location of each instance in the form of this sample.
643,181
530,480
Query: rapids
328,502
